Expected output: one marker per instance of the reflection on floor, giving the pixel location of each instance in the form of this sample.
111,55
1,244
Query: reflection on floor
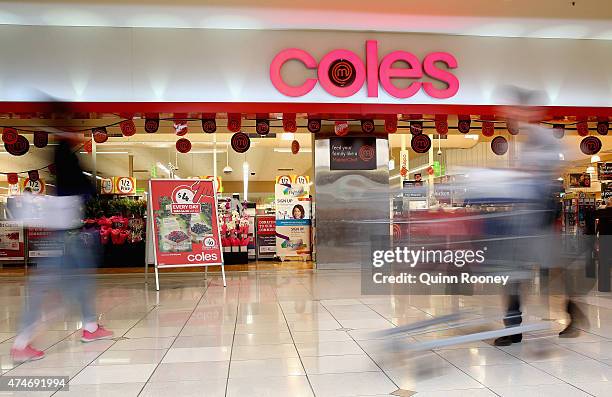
299,333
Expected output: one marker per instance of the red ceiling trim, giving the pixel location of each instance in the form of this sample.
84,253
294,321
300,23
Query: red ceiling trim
282,107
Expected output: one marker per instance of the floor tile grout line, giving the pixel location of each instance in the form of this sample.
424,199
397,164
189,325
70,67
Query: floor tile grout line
105,350
546,372
206,286
366,353
229,364
467,374
294,344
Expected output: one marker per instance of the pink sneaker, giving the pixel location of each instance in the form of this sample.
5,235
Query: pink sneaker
99,334
26,354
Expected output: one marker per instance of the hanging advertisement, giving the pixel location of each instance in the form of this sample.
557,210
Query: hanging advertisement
35,187
14,189
266,236
12,246
352,153
106,186
184,221
293,220
43,243
124,185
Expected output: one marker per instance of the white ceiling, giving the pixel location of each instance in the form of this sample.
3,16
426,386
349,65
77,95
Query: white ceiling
588,19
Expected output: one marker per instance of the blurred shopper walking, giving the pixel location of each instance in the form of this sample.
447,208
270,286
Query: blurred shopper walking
71,273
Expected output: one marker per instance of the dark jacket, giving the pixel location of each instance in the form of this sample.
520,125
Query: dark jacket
70,180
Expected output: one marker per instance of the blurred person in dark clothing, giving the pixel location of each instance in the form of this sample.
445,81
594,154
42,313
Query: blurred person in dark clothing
70,273
604,229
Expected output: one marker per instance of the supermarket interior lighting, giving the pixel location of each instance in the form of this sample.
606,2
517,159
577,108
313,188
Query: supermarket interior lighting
89,174
595,159
471,136
163,168
287,136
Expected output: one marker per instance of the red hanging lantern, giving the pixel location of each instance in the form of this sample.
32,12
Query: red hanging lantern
441,124
209,124
41,139
416,127
240,142
295,147
289,122
19,148
420,143
128,128
100,135
603,124
367,126
512,126
590,145
33,175
499,145
341,128
151,123
183,145
9,135
582,126
391,124
488,127
314,125
558,130
12,178
180,123
262,127
234,122
464,123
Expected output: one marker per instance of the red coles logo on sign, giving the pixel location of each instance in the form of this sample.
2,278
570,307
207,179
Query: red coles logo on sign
341,128
343,73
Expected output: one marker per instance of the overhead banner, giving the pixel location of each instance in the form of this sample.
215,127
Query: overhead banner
12,246
293,219
184,221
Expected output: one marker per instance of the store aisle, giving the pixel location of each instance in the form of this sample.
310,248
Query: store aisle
298,333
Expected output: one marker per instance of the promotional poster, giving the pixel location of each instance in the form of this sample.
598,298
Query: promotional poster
184,220
12,247
43,243
266,236
293,219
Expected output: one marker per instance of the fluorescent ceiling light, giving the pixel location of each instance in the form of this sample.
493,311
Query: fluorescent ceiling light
595,159
560,178
391,165
163,168
471,136
89,174
245,179
288,150
287,136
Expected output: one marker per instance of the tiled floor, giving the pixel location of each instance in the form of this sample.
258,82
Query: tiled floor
301,333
